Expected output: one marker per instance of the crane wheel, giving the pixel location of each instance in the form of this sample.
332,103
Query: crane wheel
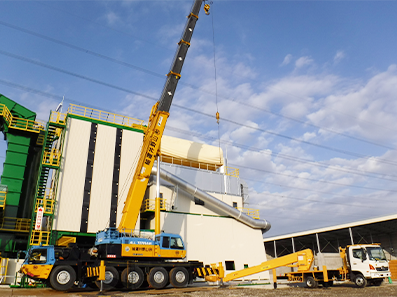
111,278
157,277
62,277
179,277
132,277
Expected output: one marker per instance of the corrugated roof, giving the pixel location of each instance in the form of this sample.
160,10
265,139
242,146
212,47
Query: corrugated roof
334,228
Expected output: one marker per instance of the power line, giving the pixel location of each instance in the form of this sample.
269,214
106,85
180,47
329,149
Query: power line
314,200
314,180
240,166
203,136
314,191
287,157
129,65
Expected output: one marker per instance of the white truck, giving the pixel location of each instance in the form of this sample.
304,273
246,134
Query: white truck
360,263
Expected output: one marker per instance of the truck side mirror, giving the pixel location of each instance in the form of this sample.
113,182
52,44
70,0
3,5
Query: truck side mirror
363,255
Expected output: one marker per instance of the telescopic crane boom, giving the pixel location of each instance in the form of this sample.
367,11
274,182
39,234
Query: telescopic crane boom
156,125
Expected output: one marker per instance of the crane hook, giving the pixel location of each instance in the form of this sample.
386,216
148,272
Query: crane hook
207,9
217,117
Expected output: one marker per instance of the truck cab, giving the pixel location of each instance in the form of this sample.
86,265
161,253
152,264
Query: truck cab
39,262
369,260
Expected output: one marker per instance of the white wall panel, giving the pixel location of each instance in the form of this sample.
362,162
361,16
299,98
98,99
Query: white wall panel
102,179
72,176
130,150
217,239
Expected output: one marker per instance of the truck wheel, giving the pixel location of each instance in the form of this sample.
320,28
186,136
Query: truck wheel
179,277
62,278
158,277
360,281
311,282
111,279
132,277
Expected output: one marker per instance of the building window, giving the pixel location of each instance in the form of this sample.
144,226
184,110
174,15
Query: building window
230,265
235,204
245,266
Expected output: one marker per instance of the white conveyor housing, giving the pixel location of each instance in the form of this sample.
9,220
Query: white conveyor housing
213,202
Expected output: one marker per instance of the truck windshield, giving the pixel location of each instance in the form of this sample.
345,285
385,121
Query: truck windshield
38,256
376,253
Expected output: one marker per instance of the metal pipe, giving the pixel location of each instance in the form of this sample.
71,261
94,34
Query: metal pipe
214,202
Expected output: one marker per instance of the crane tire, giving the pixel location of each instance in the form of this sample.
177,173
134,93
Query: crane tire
179,277
62,277
111,278
132,277
157,277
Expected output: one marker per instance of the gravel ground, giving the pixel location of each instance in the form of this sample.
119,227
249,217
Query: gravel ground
340,290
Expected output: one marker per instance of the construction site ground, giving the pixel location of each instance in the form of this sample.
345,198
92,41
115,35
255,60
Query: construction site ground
202,290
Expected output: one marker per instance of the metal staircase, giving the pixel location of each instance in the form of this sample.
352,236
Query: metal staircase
46,188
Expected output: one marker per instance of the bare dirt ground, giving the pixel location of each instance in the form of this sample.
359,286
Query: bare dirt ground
340,290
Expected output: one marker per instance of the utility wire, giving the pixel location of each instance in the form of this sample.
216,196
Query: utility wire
313,180
245,103
190,109
190,133
314,191
316,201
287,157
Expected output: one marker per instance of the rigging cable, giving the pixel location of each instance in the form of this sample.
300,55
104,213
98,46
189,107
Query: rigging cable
216,88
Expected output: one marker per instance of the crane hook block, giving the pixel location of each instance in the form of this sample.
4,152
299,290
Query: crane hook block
217,117
207,9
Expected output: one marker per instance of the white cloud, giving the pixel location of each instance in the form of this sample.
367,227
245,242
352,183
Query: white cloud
367,109
287,60
303,61
308,135
112,18
340,55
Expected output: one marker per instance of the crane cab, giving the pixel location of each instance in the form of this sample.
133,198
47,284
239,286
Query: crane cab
170,246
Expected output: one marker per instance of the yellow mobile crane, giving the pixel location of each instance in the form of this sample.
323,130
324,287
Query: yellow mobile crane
128,258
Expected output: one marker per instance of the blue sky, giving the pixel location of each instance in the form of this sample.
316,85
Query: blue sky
306,89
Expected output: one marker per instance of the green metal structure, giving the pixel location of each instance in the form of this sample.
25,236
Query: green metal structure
20,170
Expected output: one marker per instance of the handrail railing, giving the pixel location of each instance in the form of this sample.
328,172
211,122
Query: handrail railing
253,213
40,237
15,224
3,198
58,118
105,116
20,124
150,204
188,163
3,269
52,158
231,171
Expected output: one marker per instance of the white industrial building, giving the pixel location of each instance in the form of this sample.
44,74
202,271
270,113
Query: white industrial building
98,162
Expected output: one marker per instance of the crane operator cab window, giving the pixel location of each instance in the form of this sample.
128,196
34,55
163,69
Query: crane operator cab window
38,256
174,243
